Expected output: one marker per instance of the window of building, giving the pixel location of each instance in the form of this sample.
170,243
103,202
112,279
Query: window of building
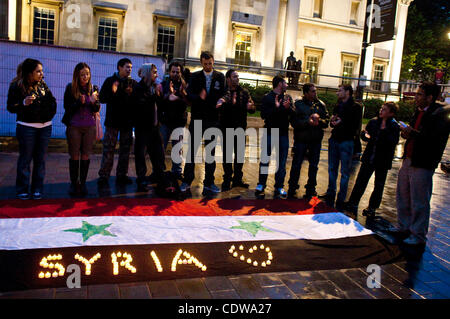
107,34
312,67
243,48
3,19
166,41
347,70
318,8
354,13
378,74
44,25
109,19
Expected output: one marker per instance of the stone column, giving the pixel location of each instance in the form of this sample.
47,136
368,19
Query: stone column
269,38
195,32
222,20
12,7
291,28
396,63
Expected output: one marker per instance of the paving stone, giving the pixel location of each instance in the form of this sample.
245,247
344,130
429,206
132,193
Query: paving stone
29,294
440,287
279,292
103,292
217,283
296,283
434,296
357,294
311,275
164,289
225,294
74,293
134,291
247,287
267,279
397,288
340,280
327,289
311,295
193,288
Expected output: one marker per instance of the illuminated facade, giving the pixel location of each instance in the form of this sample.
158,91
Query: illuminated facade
325,34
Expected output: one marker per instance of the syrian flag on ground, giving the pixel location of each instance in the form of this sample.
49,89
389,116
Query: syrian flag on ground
115,240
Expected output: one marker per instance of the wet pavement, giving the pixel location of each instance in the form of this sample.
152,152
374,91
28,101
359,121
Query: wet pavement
425,275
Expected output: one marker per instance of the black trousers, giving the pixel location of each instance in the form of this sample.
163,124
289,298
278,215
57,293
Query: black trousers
365,172
194,143
236,147
148,140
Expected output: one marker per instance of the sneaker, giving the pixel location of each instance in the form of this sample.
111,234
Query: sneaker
124,180
280,192
211,188
23,196
184,187
240,184
37,195
259,190
369,211
413,240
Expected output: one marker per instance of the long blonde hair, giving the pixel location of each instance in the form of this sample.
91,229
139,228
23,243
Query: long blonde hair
76,90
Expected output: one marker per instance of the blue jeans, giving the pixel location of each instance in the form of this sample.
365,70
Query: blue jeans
339,152
33,144
299,151
165,133
280,174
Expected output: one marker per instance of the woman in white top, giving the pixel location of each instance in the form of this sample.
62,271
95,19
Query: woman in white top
33,102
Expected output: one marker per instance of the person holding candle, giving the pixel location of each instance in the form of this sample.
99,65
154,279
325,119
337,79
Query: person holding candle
81,102
33,102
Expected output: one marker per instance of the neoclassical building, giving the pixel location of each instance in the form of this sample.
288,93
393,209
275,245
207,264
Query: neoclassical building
325,34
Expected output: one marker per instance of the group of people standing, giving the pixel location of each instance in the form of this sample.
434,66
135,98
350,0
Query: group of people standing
156,110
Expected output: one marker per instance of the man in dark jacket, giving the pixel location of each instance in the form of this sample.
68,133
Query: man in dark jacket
233,116
382,134
275,111
309,121
427,137
205,88
345,122
117,93
173,113
148,139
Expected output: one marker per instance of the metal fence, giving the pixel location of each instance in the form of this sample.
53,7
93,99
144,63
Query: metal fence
58,63
405,89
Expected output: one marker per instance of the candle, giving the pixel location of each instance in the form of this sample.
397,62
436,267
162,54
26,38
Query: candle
241,247
204,268
255,263
41,275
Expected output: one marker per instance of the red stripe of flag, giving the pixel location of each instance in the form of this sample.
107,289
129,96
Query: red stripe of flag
156,207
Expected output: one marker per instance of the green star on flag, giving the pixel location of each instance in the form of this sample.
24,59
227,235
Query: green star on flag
252,227
89,230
